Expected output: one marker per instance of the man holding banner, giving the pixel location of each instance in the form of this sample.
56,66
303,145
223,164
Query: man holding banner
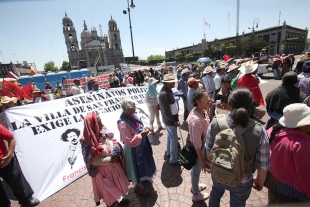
11,173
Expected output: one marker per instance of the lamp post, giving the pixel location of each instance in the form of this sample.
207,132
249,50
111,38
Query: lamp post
255,21
125,12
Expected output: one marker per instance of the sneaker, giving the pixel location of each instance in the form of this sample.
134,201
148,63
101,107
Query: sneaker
201,187
200,197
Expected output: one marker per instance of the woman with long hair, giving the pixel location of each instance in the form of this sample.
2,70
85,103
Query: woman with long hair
288,178
101,157
256,148
140,164
198,122
151,100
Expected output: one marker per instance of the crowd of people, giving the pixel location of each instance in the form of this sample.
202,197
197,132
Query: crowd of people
221,101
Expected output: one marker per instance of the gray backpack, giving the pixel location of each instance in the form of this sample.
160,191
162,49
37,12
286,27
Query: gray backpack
227,155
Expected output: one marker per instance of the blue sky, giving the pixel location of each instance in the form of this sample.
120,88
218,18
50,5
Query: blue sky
31,30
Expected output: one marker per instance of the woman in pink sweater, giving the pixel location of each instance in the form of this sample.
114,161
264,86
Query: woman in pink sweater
288,179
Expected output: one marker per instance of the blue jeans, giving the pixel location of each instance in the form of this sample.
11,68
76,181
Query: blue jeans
277,73
195,174
238,196
172,143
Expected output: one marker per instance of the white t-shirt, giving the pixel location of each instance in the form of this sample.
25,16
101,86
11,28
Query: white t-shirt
38,100
76,90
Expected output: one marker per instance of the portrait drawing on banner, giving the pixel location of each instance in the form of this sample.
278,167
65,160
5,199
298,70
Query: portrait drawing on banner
70,155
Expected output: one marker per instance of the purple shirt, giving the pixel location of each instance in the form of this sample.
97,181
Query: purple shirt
304,83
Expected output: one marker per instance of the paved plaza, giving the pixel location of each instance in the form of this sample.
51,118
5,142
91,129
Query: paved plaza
171,184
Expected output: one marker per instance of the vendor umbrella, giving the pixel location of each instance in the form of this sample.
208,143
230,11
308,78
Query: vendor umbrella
203,60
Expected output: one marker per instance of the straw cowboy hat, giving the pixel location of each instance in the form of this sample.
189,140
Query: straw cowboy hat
36,90
168,78
232,67
6,99
185,71
208,69
295,115
248,67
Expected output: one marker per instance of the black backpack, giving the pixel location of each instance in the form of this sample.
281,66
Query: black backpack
188,156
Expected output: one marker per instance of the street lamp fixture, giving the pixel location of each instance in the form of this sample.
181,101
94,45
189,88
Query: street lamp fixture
255,22
132,5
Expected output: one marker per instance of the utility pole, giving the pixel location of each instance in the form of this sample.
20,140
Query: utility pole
237,25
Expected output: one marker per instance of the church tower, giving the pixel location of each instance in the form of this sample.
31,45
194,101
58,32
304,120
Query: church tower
114,35
70,36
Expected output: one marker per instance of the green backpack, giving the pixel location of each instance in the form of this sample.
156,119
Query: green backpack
227,155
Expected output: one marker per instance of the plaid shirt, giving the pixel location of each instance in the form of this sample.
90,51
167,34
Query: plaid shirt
262,153
304,83
283,95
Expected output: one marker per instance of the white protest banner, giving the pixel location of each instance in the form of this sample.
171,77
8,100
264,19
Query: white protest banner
48,133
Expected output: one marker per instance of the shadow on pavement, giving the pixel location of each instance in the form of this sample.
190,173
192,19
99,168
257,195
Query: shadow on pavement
200,203
155,138
171,175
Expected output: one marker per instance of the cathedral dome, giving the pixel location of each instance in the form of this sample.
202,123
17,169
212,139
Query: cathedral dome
112,21
67,20
86,33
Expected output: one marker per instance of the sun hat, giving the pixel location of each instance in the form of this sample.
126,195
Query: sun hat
130,79
185,71
208,69
263,49
152,81
168,78
191,81
146,78
232,67
36,90
295,115
248,67
6,99
125,76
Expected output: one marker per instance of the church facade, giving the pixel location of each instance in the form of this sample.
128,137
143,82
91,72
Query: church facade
93,50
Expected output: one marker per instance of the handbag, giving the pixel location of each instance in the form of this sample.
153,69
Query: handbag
188,156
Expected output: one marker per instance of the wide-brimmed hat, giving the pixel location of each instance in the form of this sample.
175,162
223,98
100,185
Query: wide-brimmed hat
232,67
6,99
295,115
146,78
248,67
208,69
263,49
168,78
36,90
152,81
185,71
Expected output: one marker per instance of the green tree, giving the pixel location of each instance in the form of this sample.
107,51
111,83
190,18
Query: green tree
155,57
189,57
223,46
307,46
65,66
253,44
177,55
50,66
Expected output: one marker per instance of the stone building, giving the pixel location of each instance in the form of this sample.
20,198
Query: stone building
283,39
103,49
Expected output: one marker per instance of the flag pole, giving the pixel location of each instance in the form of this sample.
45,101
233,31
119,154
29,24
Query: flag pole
204,29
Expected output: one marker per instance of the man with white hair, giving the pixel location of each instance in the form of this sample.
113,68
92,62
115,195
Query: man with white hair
169,113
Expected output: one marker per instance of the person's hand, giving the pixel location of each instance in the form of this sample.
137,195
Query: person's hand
177,123
5,161
114,158
144,132
258,184
203,165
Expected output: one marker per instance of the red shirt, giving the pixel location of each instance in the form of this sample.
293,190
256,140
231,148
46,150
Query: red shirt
5,134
